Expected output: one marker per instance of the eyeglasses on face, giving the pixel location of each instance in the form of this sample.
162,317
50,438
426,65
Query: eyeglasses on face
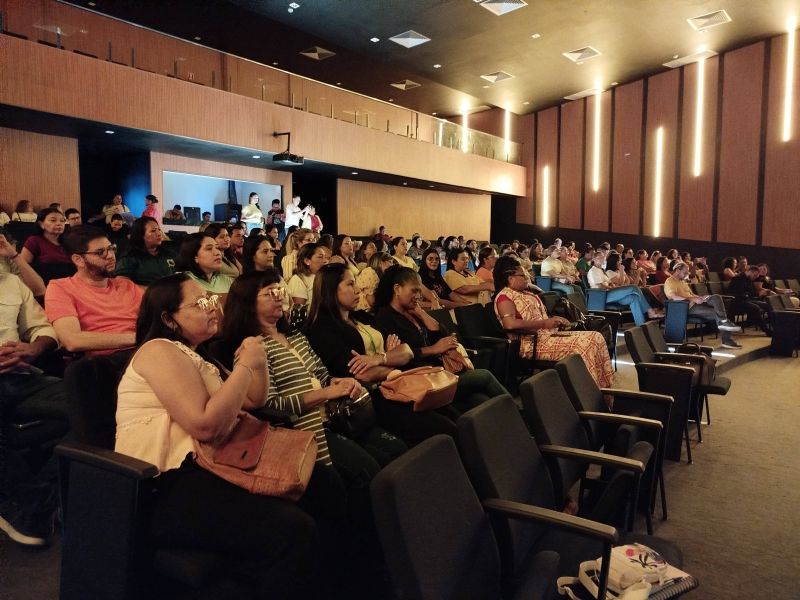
204,303
276,293
102,252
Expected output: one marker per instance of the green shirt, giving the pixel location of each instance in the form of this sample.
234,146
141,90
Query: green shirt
144,268
219,284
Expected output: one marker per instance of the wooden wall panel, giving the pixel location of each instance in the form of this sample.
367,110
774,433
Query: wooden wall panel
53,81
595,216
781,224
696,204
740,144
160,162
547,156
662,111
39,168
570,169
362,207
525,204
627,156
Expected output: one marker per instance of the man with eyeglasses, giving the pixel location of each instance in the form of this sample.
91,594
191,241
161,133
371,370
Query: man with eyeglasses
92,311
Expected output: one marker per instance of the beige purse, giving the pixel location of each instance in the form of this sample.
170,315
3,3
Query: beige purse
427,387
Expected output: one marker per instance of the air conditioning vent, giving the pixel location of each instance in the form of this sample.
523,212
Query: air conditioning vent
707,21
410,38
497,76
689,59
406,85
318,53
502,7
582,54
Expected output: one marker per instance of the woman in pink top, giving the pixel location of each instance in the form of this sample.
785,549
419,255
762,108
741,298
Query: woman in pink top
487,257
152,209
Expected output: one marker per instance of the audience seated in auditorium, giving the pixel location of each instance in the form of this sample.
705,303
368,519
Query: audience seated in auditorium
343,252
12,262
200,256
768,284
749,299
117,232
258,254
92,311
73,217
430,274
147,260
711,308
24,212
274,233
552,266
729,269
205,221
294,241
237,233
662,269
418,246
584,263
742,264
644,262
465,286
369,277
364,253
487,257
152,208
400,253
524,318
398,312
117,207
45,248
171,395
229,266
627,295
311,258
175,214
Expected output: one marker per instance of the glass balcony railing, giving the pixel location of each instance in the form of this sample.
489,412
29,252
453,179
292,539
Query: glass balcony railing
90,34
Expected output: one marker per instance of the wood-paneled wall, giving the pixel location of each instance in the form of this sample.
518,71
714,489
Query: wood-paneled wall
39,168
747,190
160,162
363,207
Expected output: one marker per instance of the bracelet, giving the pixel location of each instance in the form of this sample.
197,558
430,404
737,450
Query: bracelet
383,355
252,373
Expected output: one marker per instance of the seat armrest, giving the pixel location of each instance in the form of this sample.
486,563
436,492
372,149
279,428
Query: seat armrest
647,397
598,458
527,512
620,419
107,460
677,358
486,339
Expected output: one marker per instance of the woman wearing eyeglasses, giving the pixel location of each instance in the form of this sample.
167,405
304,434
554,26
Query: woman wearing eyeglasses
525,318
169,395
202,259
298,380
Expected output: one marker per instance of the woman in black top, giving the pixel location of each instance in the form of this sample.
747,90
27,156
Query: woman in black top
350,346
398,312
431,276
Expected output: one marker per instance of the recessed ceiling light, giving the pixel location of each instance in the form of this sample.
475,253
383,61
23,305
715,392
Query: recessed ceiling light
675,55
405,183
410,38
354,173
615,83
197,38
433,113
501,7
275,63
437,66
374,39
338,83
256,156
294,5
92,3
405,85
536,36
318,53
484,86
526,102
391,99
109,132
431,186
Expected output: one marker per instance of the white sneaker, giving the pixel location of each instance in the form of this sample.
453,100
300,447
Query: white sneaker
726,325
730,344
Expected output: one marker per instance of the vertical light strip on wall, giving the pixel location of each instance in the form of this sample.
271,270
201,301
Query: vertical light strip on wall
658,182
507,134
441,132
788,92
596,145
464,131
546,197
698,117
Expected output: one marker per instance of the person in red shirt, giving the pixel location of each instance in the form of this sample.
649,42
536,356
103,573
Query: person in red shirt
92,311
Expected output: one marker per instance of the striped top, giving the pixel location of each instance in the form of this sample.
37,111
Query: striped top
292,373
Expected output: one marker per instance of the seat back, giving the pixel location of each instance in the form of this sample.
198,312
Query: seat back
676,316
780,283
436,538
793,284
637,345
715,287
584,394
713,276
552,418
786,301
579,300
545,282
445,320
774,303
549,299
473,321
701,289
91,384
654,336
596,298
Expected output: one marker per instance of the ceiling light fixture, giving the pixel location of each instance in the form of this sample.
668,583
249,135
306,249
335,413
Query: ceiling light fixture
410,38
501,7
256,156
197,38
536,36
353,172
275,63
615,83
405,85
497,76
430,186
294,5
405,183
92,3
374,39
526,103
318,53
582,54
437,66
434,114
109,132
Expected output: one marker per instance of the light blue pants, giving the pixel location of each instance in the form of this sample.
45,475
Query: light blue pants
632,297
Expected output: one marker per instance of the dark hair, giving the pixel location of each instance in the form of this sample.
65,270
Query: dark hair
251,246
360,254
432,278
376,259
640,253
77,239
628,263
22,203
116,217
324,297
305,253
213,231
424,266
453,255
257,232
447,241
727,262
483,254
152,198
162,298
188,253
137,234
396,241
276,201
672,254
240,320
605,246
235,226
661,261
206,213
176,207
44,213
326,239
71,211
394,275
504,268
612,260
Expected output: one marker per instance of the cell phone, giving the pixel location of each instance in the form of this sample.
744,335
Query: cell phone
26,425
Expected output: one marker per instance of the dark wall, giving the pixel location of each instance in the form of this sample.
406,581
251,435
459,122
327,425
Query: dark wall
319,190
104,173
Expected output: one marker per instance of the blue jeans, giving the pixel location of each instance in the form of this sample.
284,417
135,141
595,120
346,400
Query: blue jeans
632,297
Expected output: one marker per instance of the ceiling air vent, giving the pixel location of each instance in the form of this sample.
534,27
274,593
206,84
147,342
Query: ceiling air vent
410,38
707,21
497,76
502,7
689,58
318,53
582,54
406,85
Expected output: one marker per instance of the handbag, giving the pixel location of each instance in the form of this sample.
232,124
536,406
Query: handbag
457,360
427,387
351,418
708,371
262,459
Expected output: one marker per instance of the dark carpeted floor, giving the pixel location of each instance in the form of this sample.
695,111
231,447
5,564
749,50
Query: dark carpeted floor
734,511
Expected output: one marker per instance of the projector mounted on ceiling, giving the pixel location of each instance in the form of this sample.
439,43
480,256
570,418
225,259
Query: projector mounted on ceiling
286,157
